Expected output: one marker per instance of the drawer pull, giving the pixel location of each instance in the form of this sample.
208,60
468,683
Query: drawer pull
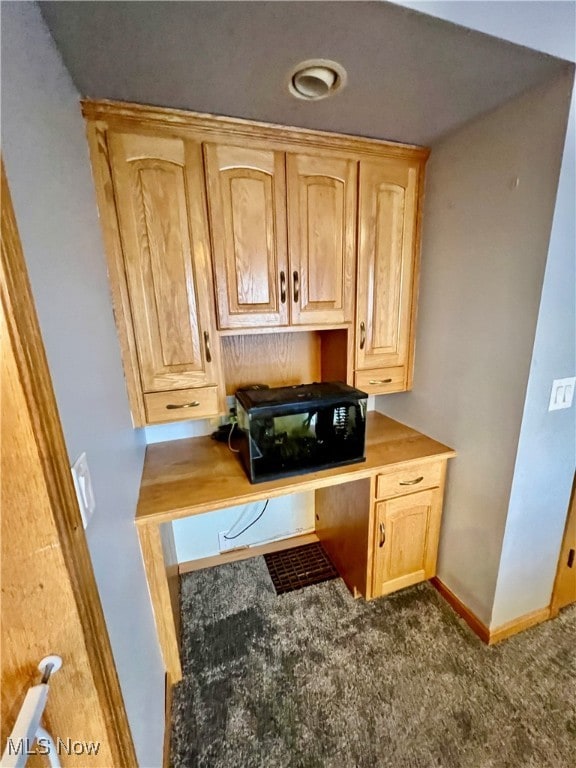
380,381
207,347
174,406
412,482
296,279
362,334
283,287
382,529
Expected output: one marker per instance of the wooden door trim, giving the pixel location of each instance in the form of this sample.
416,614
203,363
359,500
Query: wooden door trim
26,340
557,602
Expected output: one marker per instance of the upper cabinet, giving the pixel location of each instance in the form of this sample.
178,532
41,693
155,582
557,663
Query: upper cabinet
157,185
219,232
164,243
387,272
321,238
247,205
284,236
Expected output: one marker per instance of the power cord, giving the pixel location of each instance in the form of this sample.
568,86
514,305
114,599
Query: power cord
234,450
229,538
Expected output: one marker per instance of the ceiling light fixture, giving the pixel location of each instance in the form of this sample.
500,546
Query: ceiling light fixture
316,79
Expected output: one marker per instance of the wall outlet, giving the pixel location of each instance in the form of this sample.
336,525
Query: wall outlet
84,490
562,393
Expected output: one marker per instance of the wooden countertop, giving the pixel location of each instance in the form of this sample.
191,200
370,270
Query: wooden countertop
198,474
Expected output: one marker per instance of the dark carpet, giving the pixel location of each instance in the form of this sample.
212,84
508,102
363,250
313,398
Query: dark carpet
315,679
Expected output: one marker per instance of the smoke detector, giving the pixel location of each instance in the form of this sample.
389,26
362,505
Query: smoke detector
316,79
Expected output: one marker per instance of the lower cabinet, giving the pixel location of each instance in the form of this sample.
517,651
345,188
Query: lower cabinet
406,545
382,531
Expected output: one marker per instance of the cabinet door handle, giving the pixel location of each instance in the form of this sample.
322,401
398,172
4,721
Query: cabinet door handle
380,381
283,287
362,335
382,529
207,347
296,280
412,482
174,406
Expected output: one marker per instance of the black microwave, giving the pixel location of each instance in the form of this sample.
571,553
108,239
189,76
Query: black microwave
291,430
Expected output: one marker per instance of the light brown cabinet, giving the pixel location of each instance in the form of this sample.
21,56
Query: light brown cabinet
407,513
382,532
247,207
157,183
407,529
219,232
322,238
387,271
284,236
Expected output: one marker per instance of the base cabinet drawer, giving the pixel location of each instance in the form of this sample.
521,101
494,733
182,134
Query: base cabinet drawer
181,404
381,380
406,544
414,478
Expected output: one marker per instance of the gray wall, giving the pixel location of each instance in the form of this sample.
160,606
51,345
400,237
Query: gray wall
46,158
484,250
545,461
547,449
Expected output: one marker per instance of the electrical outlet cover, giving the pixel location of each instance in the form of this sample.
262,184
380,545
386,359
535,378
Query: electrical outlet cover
84,490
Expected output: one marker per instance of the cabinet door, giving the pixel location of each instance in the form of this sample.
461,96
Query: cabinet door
386,259
406,545
321,238
247,204
164,242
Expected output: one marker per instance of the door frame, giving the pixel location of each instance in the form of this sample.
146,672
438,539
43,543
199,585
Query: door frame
558,600
34,378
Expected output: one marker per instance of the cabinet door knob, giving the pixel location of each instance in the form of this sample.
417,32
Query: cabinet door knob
207,347
175,406
382,529
362,335
412,482
380,381
283,287
296,280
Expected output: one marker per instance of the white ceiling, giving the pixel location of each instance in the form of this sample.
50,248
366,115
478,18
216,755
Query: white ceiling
411,77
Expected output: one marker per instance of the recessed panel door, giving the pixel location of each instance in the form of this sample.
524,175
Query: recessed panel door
406,540
164,243
387,231
246,200
321,238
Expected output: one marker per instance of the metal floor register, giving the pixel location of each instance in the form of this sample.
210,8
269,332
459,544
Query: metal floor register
299,567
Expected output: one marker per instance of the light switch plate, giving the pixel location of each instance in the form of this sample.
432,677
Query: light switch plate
84,490
562,393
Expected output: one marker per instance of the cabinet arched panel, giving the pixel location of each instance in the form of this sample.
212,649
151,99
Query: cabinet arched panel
250,253
384,306
322,238
387,223
164,264
246,202
170,313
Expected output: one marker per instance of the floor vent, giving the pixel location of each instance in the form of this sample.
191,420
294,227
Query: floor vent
299,567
